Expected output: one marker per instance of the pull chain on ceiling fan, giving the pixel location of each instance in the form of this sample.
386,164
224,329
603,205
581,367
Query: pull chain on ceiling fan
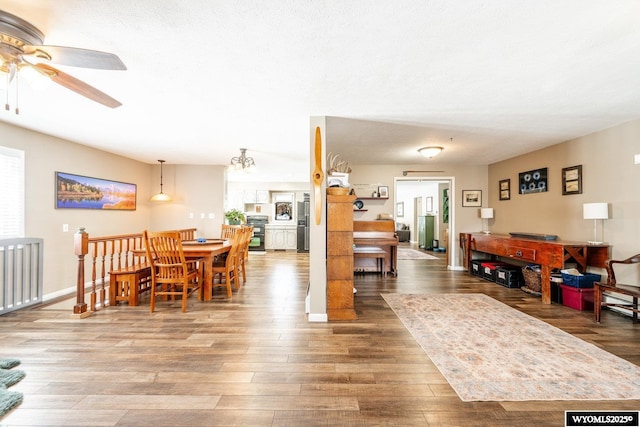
21,47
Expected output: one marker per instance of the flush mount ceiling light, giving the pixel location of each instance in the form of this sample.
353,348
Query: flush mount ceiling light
161,197
242,163
430,152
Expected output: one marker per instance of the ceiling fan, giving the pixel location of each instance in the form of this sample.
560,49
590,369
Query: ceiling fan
21,46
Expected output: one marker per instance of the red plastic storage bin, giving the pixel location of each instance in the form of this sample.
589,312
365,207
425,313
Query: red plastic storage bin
577,298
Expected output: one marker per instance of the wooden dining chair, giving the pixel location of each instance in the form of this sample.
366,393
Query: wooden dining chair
172,275
227,231
243,253
228,269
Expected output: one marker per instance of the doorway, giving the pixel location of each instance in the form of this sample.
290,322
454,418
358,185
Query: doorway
429,196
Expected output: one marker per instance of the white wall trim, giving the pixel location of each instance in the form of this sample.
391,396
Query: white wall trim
318,317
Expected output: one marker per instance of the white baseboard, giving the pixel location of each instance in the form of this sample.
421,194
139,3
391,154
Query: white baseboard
318,317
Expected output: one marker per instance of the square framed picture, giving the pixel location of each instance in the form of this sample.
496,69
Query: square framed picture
383,192
572,180
504,188
471,198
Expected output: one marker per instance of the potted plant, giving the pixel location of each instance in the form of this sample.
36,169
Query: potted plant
234,216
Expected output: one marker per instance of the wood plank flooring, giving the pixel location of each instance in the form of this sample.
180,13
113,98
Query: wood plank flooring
256,361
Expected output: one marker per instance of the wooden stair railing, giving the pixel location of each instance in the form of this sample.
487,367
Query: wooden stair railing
106,254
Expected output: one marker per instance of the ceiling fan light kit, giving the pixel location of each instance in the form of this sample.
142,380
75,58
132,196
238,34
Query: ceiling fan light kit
21,48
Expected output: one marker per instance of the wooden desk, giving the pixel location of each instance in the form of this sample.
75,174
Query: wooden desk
206,251
548,254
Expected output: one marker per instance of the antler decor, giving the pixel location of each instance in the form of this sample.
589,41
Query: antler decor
335,164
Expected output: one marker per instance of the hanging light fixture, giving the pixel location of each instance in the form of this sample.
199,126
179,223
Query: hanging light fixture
242,163
430,152
161,197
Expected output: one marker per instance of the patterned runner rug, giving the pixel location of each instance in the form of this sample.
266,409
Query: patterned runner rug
489,351
408,253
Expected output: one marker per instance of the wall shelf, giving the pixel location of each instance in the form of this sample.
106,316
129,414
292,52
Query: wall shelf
360,210
373,198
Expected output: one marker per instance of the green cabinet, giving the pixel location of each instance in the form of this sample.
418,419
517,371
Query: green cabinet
426,231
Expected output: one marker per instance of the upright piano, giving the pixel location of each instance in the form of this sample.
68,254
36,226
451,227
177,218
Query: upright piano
378,233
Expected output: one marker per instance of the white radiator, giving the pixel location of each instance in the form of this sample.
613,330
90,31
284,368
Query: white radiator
20,273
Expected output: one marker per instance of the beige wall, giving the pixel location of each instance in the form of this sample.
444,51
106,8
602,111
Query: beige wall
197,192
197,189
609,175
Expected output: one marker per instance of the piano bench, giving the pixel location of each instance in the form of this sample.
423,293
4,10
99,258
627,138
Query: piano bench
372,252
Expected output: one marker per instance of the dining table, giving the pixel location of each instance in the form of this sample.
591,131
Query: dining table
205,250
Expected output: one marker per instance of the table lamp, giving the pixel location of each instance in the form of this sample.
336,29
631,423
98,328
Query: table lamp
486,214
595,211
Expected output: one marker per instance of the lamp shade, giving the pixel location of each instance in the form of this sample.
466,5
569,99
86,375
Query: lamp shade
595,210
486,213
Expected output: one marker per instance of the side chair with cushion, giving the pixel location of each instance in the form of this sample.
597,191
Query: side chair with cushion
173,276
611,286
228,269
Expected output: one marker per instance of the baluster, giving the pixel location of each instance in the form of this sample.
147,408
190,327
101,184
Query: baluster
81,246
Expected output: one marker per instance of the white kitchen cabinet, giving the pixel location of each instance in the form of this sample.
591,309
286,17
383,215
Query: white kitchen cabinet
281,237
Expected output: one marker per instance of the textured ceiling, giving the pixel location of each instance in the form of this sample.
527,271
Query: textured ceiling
487,80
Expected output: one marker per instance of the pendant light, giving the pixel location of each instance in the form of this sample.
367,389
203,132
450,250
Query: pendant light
161,197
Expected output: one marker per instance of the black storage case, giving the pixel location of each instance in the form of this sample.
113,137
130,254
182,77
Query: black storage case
475,266
489,270
509,276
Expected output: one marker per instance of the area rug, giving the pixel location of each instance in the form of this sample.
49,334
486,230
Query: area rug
8,400
9,377
8,363
489,351
408,253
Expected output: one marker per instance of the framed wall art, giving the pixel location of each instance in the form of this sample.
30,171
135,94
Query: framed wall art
85,192
400,209
471,198
383,192
504,188
533,181
572,180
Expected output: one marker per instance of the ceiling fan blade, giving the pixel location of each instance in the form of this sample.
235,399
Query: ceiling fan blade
77,86
76,57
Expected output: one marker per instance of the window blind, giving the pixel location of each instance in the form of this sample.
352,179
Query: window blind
11,193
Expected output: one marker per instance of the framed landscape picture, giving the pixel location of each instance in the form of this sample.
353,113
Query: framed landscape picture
84,192
471,198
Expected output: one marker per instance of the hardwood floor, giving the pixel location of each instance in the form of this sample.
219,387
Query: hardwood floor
256,361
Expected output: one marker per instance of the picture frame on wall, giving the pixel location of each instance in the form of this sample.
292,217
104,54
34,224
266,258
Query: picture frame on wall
534,181
400,209
572,180
471,198
383,192
85,192
504,189
429,207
